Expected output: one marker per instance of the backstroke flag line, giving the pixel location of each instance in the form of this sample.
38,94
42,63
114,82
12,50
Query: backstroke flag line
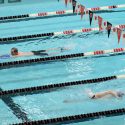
73,5
82,9
119,32
66,2
90,16
102,24
109,26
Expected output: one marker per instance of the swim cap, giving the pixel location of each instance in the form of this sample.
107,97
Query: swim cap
120,94
14,51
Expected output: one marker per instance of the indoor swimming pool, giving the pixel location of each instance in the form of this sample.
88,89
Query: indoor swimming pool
67,62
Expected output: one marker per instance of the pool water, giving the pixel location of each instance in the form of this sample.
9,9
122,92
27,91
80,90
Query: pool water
52,104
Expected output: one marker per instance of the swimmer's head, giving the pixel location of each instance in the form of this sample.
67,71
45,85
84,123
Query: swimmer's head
14,51
120,94
89,93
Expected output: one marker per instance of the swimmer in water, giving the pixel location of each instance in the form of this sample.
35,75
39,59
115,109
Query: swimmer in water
16,53
117,94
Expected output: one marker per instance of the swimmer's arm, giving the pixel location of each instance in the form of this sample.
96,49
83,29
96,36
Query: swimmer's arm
102,94
50,54
64,48
68,48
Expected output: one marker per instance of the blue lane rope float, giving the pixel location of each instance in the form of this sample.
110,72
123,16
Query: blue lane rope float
76,118
26,91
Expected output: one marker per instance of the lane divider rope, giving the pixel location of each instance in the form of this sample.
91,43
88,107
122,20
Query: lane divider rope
77,118
26,91
60,12
66,32
62,57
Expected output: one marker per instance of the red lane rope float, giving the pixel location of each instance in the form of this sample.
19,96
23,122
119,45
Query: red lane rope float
26,91
119,50
98,52
76,118
60,12
62,57
66,32
42,14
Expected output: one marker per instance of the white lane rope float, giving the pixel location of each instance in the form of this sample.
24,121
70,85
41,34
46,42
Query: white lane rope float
50,34
76,11
101,52
60,12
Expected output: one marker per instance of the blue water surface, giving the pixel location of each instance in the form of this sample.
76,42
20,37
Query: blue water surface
45,105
